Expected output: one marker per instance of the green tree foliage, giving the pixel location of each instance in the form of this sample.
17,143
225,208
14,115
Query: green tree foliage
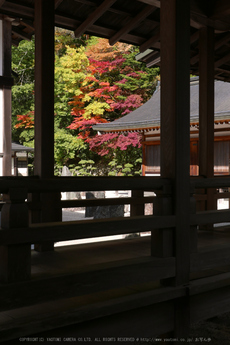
67,145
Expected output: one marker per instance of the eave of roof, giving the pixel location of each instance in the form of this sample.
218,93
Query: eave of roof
20,148
147,116
133,22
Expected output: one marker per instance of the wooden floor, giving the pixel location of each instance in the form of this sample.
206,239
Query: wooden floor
80,283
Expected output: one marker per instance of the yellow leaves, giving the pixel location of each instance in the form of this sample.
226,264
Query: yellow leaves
71,69
95,108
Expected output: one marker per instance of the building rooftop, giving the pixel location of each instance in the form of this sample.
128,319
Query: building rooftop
148,115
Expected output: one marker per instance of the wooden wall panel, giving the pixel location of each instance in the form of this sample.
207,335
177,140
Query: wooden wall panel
221,157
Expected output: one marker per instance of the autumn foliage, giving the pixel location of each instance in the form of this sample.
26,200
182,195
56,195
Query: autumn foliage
98,84
25,121
113,87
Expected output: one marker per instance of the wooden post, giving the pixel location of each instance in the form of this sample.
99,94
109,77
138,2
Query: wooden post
5,96
175,136
44,109
137,209
15,260
162,241
7,159
175,121
206,111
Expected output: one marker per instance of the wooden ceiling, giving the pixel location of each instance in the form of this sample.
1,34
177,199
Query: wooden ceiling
132,21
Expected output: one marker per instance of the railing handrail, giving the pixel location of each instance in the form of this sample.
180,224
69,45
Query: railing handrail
212,182
79,183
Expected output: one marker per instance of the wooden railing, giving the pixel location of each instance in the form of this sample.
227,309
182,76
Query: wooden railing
156,271
16,230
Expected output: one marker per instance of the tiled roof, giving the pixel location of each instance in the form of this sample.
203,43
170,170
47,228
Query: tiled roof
148,115
20,148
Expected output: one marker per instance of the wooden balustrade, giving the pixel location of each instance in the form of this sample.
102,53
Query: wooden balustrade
16,234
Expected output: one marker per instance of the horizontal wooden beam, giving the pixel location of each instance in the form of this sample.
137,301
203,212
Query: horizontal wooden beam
92,202
214,182
6,81
65,184
210,217
18,10
93,17
132,24
106,202
209,283
84,229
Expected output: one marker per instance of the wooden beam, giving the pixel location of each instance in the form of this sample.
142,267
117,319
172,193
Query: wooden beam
100,10
154,60
6,81
221,9
218,44
21,33
224,59
132,24
57,3
155,3
74,184
147,44
18,10
223,40
27,23
64,231
221,70
155,39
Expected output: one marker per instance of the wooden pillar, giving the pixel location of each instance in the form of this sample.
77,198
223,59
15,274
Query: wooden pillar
15,260
44,108
6,83
175,120
44,88
206,109
137,209
175,137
